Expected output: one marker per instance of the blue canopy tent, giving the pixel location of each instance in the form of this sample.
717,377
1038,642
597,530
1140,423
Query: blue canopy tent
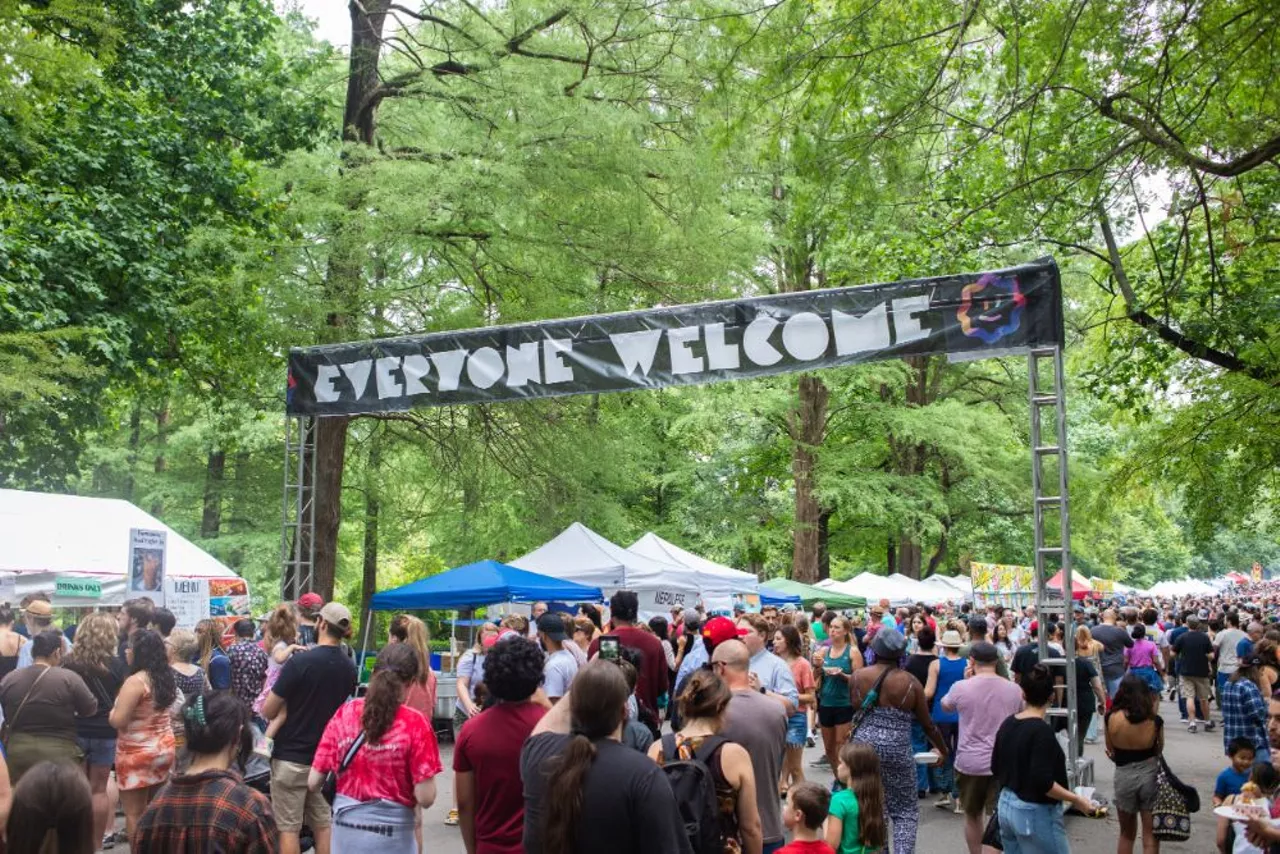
777,598
485,582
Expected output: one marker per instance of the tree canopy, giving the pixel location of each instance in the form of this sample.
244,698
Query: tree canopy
188,190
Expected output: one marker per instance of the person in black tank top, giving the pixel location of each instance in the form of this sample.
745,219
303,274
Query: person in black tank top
1135,739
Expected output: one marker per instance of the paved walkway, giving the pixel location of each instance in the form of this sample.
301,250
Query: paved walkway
1197,759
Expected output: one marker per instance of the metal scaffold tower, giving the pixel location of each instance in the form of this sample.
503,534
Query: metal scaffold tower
1053,542
297,545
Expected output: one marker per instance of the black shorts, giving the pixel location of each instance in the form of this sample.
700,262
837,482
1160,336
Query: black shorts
834,716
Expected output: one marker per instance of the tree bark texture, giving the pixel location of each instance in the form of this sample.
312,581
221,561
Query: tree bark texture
342,289
808,427
910,459
211,518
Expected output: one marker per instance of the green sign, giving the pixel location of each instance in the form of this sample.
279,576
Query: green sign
78,588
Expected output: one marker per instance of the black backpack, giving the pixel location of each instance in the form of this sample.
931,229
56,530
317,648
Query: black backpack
694,786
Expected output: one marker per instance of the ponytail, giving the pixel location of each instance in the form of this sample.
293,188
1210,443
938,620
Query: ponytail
397,666
597,703
565,795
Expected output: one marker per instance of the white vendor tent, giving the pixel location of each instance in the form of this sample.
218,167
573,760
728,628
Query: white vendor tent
957,587
873,588
45,536
580,554
716,579
1185,587
918,591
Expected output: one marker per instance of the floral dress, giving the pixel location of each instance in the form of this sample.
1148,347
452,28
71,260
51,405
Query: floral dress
145,747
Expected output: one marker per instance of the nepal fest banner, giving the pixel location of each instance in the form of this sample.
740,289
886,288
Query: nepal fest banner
976,315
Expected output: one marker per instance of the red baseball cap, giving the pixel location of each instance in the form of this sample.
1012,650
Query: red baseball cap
720,629
310,601
1034,627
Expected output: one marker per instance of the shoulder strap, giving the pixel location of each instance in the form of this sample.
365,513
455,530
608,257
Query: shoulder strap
30,691
669,747
351,752
709,747
874,694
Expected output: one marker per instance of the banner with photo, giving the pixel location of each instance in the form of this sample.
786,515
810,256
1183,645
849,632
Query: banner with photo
972,315
146,565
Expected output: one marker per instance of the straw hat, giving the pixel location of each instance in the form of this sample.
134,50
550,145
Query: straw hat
951,639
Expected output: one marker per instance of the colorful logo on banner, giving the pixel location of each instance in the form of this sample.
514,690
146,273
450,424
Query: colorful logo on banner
1006,583
991,308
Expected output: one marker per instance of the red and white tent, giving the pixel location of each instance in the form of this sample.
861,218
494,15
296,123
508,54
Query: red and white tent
1080,588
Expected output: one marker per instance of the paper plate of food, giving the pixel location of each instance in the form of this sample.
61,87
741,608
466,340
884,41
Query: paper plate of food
927,757
1249,804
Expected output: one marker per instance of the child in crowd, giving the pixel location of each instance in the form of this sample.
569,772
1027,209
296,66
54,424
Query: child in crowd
805,812
856,823
1235,775
1258,795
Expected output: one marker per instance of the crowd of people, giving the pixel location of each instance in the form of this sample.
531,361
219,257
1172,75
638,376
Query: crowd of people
581,733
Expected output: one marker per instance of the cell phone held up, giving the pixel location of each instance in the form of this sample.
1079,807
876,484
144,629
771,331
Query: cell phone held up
609,649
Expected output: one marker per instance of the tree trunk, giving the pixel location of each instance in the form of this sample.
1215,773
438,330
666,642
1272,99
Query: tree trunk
241,503
161,463
135,438
824,550
211,519
891,557
909,557
808,426
372,507
343,288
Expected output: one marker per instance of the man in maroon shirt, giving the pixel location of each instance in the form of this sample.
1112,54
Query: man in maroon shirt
624,606
486,760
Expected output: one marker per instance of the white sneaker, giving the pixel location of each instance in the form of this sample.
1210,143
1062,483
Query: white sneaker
943,803
1191,727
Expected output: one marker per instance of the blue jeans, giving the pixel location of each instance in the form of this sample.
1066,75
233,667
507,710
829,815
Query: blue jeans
1113,685
1031,828
920,744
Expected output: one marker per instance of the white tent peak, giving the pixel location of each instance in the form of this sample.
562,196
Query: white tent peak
77,535
580,554
716,578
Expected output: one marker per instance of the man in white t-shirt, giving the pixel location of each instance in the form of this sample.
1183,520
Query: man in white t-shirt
1224,644
561,666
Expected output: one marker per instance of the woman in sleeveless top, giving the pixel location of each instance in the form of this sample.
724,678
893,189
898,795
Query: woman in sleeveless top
144,748
10,642
702,706
946,671
1135,739
837,664
887,727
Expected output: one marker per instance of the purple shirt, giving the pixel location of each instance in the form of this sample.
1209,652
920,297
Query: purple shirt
1142,654
984,703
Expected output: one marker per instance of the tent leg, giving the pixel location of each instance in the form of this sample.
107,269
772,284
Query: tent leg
364,645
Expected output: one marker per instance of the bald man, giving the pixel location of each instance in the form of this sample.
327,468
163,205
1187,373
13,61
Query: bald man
759,724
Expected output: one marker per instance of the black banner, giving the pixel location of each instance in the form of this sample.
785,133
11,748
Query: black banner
979,314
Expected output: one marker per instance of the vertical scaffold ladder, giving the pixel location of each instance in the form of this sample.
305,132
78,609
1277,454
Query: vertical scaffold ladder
1049,443
297,546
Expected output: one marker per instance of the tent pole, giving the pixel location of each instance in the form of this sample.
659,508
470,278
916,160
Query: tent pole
364,646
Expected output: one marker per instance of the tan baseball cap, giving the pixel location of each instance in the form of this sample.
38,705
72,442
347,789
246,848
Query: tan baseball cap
39,608
336,614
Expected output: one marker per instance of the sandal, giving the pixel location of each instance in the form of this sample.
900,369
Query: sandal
452,818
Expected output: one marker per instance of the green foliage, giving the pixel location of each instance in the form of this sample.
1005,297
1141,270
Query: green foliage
178,207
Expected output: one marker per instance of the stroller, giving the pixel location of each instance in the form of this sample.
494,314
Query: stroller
257,775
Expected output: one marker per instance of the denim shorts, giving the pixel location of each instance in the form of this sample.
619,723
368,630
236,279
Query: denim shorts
797,729
1027,828
98,752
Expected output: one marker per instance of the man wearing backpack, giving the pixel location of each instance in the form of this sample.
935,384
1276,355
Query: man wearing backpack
759,724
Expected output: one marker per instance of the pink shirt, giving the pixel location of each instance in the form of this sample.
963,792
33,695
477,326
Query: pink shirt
983,703
406,755
1142,654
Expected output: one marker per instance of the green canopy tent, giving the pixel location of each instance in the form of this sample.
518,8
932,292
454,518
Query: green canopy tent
808,594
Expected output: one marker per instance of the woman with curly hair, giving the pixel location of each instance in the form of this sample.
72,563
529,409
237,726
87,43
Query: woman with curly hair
94,660
486,760
395,760
145,748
